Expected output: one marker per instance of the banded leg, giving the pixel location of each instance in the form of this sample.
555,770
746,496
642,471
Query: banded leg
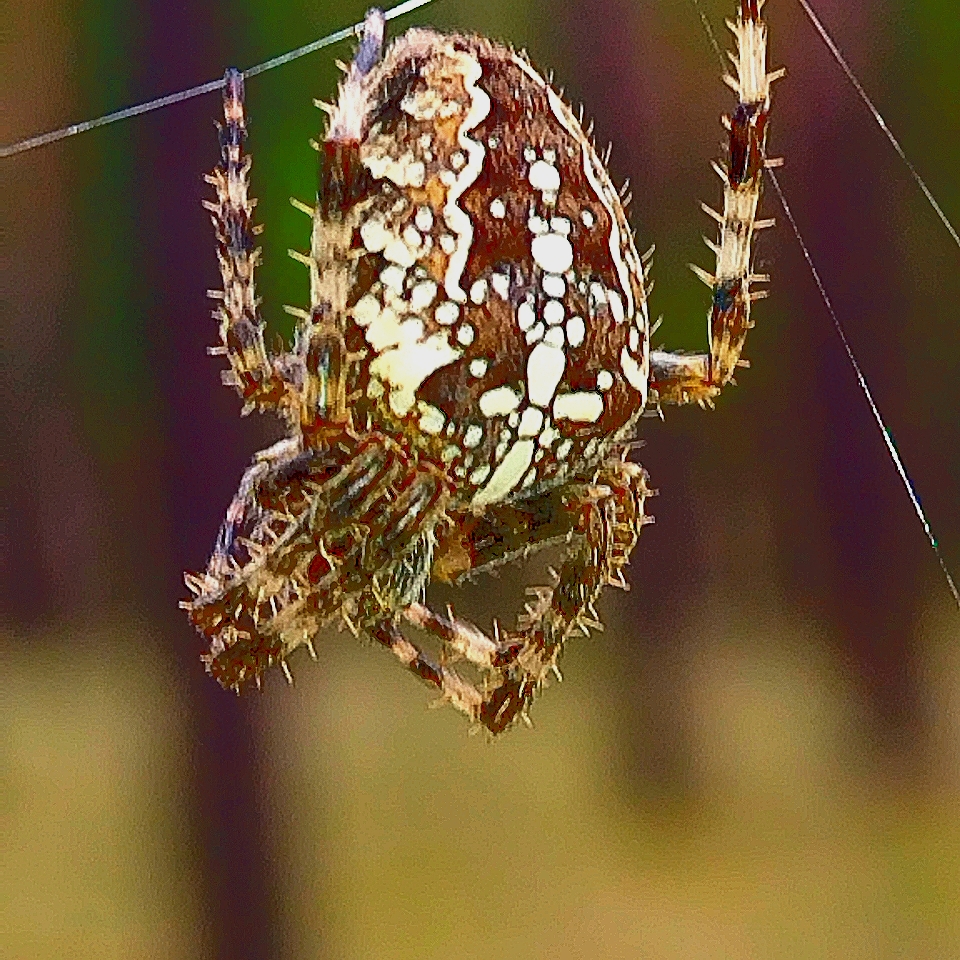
342,534
344,182
609,515
453,688
698,378
253,373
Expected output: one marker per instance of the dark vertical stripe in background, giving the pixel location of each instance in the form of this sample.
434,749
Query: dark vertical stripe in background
199,458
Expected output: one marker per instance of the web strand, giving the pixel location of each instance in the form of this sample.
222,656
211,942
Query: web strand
838,56
874,409
884,430
31,143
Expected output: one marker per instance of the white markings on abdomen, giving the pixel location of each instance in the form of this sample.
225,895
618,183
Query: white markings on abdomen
457,219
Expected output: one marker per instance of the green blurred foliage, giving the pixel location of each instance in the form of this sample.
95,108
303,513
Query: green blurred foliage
108,352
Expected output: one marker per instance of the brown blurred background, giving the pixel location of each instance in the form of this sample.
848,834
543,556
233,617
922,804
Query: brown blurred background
760,758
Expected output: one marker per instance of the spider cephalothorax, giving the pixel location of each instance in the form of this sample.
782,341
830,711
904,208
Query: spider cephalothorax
466,381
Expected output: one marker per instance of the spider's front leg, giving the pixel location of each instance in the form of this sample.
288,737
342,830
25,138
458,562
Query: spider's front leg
258,378
604,518
342,533
698,378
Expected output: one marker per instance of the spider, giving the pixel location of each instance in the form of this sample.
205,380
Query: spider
466,385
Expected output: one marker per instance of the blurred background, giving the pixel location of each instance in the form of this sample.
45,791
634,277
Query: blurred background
759,758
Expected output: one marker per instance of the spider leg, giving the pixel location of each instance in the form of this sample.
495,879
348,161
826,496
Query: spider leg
258,378
338,272
308,384
607,515
503,533
698,378
453,688
338,534
238,513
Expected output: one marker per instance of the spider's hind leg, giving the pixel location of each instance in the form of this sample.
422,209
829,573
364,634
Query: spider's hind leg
453,688
698,378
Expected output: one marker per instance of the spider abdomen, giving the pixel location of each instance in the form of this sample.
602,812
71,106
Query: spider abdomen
497,297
